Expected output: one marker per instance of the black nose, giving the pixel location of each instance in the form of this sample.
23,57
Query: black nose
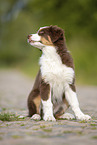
29,36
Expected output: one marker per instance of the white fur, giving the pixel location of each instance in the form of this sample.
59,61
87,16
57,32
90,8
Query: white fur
35,37
36,117
67,116
54,72
73,101
43,27
48,110
36,41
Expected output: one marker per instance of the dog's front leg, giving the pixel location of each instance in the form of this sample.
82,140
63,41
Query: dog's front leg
45,92
73,102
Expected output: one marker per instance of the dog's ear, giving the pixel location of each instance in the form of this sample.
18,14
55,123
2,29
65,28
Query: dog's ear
56,33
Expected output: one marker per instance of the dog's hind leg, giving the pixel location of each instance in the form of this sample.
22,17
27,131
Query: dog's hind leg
67,116
60,113
34,99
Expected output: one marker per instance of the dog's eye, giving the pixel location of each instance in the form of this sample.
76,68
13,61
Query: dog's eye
41,32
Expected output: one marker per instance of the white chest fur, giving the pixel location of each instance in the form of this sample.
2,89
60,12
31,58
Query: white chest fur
54,72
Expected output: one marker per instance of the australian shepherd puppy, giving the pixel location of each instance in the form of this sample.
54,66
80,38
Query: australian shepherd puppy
54,88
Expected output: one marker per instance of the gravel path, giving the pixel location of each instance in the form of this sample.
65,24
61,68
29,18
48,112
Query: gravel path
14,89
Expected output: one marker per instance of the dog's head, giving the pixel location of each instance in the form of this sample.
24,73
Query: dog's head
47,36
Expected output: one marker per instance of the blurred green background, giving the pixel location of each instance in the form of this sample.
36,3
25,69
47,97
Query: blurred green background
78,18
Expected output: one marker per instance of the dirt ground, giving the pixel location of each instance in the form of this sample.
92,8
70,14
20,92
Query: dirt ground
14,89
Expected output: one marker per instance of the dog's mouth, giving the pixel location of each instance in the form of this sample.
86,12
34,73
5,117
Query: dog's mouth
32,41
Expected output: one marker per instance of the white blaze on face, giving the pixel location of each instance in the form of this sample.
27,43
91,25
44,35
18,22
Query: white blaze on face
35,37
35,41
43,27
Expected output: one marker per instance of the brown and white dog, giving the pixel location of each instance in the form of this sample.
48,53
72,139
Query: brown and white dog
54,88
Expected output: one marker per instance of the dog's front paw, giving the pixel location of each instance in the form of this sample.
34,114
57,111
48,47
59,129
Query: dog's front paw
83,117
36,117
49,118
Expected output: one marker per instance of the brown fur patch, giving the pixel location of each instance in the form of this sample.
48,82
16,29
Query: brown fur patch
31,107
44,90
72,86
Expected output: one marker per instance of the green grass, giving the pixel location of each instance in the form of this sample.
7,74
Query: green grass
47,130
8,117
42,126
94,137
16,136
22,124
93,124
67,131
83,121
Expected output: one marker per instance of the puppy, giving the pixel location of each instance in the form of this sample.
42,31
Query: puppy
54,88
